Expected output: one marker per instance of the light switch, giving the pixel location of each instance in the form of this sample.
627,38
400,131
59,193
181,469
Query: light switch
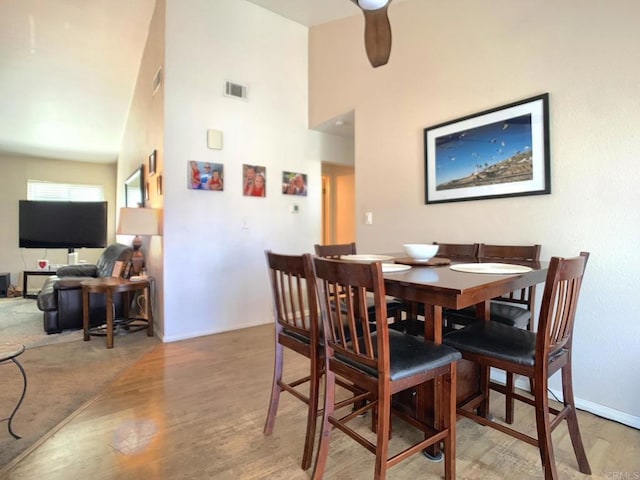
368,218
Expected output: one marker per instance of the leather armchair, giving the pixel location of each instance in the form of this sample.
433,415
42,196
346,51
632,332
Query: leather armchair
61,296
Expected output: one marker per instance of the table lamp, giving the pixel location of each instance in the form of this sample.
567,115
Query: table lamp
137,221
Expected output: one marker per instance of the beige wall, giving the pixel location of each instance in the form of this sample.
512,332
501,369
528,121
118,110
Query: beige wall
341,193
14,173
144,132
451,59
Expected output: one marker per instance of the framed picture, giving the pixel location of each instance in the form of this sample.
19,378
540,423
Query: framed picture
205,176
502,152
294,183
159,185
254,181
152,163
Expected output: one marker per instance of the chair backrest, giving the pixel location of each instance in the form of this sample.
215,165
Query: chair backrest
559,303
342,325
295,305
516,253
457,251
336,250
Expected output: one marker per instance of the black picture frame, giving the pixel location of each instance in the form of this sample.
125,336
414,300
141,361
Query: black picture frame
497,153
152,164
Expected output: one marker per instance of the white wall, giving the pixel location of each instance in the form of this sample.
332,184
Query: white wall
451,59
214,270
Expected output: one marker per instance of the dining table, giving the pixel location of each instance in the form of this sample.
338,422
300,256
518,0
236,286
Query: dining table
441,287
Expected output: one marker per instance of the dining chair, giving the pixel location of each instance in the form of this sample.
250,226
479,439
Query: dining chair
515,309
382,362
295,310
395,307
534,355
458,251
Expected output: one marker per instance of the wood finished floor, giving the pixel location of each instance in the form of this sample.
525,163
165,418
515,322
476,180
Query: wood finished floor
195,410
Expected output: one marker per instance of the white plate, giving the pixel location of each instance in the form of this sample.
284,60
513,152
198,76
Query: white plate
394,267
495,268
365,258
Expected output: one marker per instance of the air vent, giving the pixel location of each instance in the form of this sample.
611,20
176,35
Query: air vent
235,90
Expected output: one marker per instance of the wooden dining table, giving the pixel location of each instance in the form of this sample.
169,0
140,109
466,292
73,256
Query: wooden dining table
439,287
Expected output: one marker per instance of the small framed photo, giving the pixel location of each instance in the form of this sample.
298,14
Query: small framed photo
502,152
117,269
205,176
146,191
159,185
254,181
294,183
152,163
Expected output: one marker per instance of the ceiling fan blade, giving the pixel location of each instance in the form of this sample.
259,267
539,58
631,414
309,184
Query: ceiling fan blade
377,34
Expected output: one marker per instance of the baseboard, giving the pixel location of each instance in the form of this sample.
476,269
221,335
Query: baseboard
586,405
202,333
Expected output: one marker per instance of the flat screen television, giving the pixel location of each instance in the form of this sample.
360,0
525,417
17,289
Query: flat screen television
67,225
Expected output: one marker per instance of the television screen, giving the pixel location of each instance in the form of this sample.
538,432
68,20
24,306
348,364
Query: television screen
62,224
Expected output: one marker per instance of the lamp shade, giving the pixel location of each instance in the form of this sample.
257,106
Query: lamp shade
138,221
372,4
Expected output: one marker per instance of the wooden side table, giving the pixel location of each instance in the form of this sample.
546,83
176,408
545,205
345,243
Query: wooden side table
9,353
110,286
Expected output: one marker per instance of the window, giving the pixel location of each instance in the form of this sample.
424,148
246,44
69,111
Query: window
72,192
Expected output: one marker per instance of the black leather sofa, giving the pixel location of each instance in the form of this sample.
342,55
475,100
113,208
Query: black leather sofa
61,296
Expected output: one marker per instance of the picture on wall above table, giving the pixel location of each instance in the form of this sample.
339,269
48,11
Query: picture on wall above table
152,163
205,176
502,152
254,181
294,183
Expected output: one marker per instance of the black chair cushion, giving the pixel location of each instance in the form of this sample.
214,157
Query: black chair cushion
504,313
495,340
409,355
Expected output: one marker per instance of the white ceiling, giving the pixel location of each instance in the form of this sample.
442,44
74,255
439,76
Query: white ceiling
68,69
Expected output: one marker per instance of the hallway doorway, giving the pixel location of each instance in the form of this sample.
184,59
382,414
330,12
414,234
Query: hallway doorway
338,204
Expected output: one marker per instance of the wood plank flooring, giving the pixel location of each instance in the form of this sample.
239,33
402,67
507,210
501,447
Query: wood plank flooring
195,410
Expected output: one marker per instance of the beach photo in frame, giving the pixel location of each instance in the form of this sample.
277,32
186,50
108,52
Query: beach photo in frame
205,176
502,152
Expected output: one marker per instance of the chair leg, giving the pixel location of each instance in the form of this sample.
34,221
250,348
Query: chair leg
509,400
483,408
325,435
572,420
275,390
544,431
312,413
383,433
449,422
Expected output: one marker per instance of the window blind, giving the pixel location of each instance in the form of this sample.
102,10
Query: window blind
71,192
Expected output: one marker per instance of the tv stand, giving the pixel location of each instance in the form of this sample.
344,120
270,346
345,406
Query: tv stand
72,258
25,276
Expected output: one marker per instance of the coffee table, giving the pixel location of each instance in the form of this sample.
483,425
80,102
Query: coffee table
9,353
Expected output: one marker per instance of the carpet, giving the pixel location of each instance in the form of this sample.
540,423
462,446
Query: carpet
62,375
22,322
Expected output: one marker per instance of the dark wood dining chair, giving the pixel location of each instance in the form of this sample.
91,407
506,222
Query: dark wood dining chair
395,307
515,309
534,355
458,251
382,362
295,311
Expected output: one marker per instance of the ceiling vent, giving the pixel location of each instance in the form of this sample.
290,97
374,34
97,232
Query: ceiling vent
235,90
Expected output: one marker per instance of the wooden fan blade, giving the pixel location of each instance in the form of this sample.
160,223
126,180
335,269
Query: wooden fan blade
377,36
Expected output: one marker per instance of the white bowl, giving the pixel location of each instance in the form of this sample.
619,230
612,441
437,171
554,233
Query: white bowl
420,251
